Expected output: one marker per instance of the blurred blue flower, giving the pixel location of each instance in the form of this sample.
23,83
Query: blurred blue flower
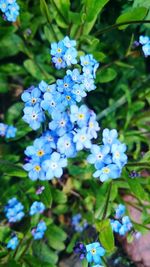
78,223
118,155
13,243
110,136
120,210
66,146
39,231
36,207
3,128
107,172
82,139
11,131
14,210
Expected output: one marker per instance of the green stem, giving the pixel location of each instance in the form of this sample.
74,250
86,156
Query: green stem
107,200
114,26
121,101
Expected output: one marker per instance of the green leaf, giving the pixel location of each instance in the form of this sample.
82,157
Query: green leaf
43,253
137,13
106,75
92,9
55,237
45,11
106,235
11,169
59,196
137,189
11,44
84,263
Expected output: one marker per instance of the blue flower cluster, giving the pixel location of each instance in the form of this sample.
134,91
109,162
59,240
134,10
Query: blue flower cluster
123,224
14,210
39,231
108,158
70,127
94,253
78,223
37,207
145,42
13,243
10,8
7,131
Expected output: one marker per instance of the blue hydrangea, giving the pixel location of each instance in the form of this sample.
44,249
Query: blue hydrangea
94,252
39,231
78,223
36,207
13,243
10,8
14,210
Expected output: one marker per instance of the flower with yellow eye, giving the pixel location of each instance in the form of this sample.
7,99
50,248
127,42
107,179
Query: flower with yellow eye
118,155
94,252
107,172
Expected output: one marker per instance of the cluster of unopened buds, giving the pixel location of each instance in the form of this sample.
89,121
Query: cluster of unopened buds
14,212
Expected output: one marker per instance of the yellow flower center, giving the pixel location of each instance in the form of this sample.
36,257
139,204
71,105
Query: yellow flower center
37,168
83,137
106,170
117,154
59,50
59,60
81,116
68,97
40,153
91,124
93,251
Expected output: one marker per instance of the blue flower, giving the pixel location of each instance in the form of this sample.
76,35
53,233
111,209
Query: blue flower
13,243
93,126
94,252
120,210
35,170
37,207
75,75
3,5
59,63
69,43
39,149
3,128
31,98
14,210
12,11
144,40
100,155
110,136
58,49
66,146
118,155
88,84
60,123
82,139
51,102
39,231
34,116
70,56
11,131
78,223
146,49
116,225
50,137
78,90
107,172
53,166
127,222
65,85
44,87
79,115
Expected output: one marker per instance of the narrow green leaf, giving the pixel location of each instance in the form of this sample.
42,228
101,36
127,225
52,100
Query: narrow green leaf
137,13
106,235
45,11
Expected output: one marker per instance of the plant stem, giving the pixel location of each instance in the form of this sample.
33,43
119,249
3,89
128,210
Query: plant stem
107,200
114,26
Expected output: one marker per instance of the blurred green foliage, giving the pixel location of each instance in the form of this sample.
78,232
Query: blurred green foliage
121,101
